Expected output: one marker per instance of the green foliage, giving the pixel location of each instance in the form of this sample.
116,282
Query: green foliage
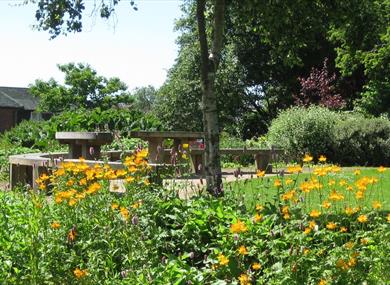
83,89
149,235
304,130
40,135
362,141
345,138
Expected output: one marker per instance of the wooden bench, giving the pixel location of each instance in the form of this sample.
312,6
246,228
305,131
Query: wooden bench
262,157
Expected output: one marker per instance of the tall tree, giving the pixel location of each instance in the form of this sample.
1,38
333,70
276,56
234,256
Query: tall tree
62,16
210,58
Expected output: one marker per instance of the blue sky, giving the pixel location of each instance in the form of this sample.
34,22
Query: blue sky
138,47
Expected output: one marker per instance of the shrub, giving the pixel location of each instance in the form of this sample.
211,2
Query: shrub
362,141
300,130
41,134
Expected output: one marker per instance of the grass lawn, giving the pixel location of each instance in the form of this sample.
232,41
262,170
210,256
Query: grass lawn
262,190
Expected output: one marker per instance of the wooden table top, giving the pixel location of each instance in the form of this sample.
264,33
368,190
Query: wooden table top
167,134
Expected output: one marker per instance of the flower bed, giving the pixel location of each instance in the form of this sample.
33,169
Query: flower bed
84,234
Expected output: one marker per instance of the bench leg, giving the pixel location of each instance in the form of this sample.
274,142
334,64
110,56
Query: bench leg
154,145
262,162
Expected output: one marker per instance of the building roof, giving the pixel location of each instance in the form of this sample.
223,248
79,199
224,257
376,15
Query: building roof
17,97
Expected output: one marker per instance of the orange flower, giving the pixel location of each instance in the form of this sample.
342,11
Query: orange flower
124,212
315,213
242,250
114,206
238,227
331,226
72,234
256,266
259,207
381,169
322,158
257,218
277,183
223,260
244,279
362,219
260,173
376,205
326,204
307,158
55,225
79,273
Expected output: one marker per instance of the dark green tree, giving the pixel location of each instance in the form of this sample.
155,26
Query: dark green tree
83,88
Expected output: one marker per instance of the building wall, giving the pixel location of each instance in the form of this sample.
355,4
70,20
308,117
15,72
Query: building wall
7,119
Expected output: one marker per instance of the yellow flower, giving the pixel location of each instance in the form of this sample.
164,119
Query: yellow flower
376,205
242,250
130,179
307,231
362,219
114,206
223,260
331,226
357,172
388,217
137,204
343,182
70,182
343,230
55,225
79,273
277,183
326,204
334,195
260,173
312,224
244,279
364,241
256,266
83,181
359,195
124,212
352,262
306,251
322,158
72,234
289,181
294,169
349,211
349,245
146,182
315,213
238,227
257,218
307,158
322,282
185,145
72,202
259,207
381,169
341,264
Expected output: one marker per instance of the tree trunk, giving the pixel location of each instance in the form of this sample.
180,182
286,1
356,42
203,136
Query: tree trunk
209,65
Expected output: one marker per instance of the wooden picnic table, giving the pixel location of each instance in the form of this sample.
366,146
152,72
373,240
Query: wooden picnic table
156,141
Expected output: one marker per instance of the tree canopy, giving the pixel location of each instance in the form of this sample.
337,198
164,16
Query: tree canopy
83,88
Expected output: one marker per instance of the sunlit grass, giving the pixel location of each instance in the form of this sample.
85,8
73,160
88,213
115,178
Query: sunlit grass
262,190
